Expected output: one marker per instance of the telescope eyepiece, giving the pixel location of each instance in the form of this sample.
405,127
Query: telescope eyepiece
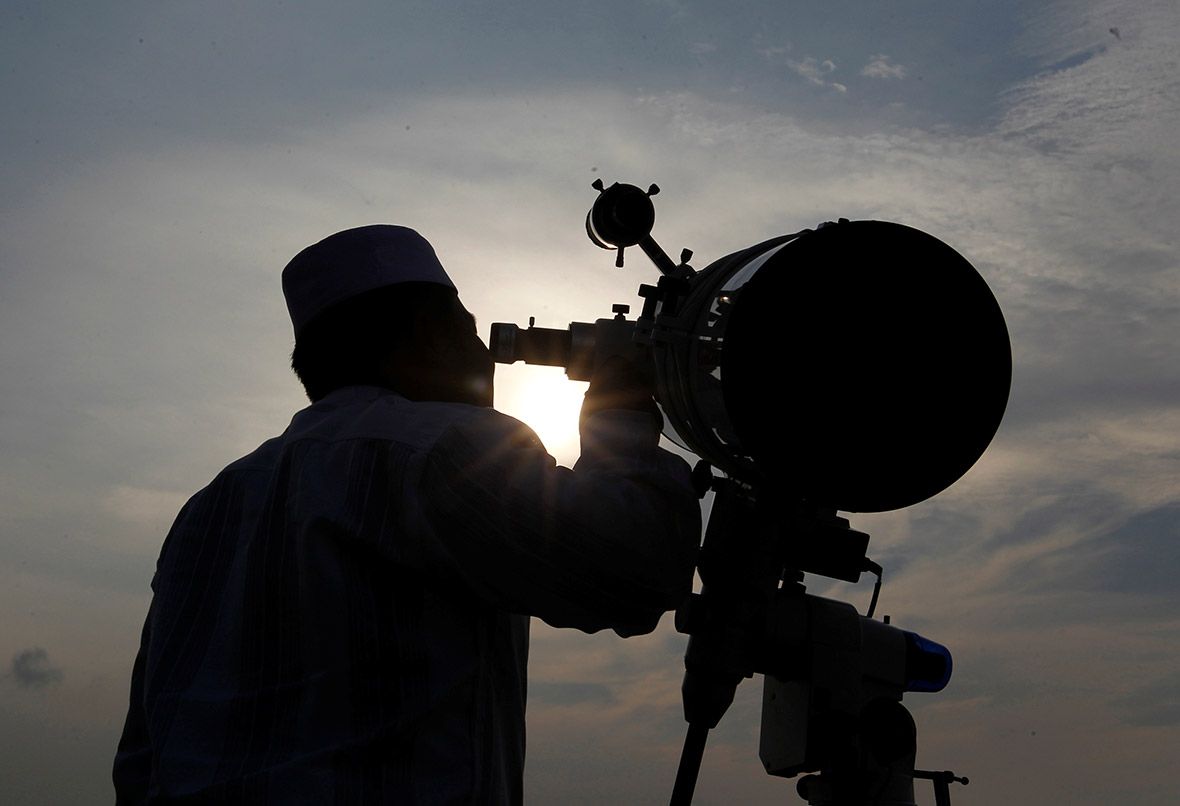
536,345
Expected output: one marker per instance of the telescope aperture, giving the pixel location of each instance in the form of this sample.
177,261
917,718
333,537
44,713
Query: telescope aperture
891,358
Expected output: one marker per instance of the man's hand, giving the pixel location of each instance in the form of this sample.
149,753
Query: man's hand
618,384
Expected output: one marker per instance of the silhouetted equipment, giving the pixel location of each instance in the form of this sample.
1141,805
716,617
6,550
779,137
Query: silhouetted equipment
862,366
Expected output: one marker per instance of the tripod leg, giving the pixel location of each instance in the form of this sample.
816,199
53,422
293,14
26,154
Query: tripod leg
690,764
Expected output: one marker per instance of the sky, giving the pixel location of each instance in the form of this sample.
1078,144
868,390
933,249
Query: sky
161,162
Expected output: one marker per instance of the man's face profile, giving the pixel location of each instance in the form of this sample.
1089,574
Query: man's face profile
465,370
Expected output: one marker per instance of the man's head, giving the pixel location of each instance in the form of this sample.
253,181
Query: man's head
374,306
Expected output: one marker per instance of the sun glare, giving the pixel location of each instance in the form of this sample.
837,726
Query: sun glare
545,400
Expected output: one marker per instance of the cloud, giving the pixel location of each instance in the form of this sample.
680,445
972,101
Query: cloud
1154,704
879,67
31,669
1140,557
816,72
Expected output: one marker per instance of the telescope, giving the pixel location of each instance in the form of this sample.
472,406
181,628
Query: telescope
860,366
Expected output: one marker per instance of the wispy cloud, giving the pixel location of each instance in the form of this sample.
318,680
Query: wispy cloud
879,66
1153,704
816,72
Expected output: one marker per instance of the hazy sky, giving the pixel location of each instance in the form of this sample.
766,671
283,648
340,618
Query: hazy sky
160,163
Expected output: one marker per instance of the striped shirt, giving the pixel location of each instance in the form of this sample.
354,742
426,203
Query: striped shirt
341,617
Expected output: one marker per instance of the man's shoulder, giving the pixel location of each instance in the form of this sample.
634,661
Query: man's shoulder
360,413
373,413
368,412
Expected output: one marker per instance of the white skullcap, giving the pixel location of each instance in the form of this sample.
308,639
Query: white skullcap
354,261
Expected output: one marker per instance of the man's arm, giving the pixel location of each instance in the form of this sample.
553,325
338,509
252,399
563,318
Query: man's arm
611,543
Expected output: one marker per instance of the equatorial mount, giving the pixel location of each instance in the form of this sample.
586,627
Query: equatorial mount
833,679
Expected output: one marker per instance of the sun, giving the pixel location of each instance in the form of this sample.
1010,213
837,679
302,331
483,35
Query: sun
545,400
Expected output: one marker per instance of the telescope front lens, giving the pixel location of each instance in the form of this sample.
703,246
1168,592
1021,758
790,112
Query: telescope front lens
892,358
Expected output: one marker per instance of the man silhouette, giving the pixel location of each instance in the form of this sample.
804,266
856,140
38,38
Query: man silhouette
341,617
